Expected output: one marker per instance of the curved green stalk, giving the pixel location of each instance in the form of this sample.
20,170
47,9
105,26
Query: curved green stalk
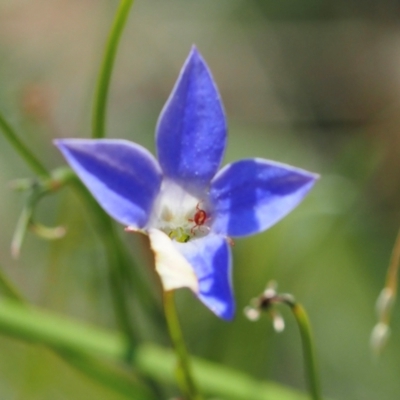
183,370
103,81
265,302
309,352
22,150
308,345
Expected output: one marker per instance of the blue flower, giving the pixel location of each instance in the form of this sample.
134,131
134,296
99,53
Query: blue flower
189,210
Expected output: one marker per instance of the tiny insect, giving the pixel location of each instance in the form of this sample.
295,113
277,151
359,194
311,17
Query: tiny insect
200,217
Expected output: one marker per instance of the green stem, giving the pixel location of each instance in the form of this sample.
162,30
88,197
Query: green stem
23,151
32,324
65,338
310,364
103,82
105,228
183,370
386,300
123,273
126,280
392,274
64,345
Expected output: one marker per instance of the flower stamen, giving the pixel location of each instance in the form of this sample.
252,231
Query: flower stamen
179,235
200,217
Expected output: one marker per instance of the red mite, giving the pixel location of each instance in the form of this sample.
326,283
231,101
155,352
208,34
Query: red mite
200,217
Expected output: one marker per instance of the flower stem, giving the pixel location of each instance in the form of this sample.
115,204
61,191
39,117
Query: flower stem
125,279
183,370
386,300
23,151
74,352
104,227
103,81
392,273
308,346
35,325
265,302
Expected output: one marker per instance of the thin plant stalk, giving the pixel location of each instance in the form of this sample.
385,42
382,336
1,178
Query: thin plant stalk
56,332
103,81
101,371
308,349
310,363
23,150
265,302
183,371
104,227
35,325
391,279
386,300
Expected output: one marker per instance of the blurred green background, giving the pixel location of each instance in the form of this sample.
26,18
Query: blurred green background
315,84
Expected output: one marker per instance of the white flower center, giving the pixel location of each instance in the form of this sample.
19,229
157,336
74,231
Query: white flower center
181,215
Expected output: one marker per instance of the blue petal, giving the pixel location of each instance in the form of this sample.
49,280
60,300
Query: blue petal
191,130
210,257
249,196
122,176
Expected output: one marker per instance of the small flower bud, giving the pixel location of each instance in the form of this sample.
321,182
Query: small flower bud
379,337
278,322
252,314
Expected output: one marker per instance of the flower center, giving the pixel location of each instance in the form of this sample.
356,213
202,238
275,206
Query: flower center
181,215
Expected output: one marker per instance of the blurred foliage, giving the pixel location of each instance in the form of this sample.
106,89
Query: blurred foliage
313,84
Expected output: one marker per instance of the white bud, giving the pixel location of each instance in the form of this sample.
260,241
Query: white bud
270,290
278,322
252,314
379,336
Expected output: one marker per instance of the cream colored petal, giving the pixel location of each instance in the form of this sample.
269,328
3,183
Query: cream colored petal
175,272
